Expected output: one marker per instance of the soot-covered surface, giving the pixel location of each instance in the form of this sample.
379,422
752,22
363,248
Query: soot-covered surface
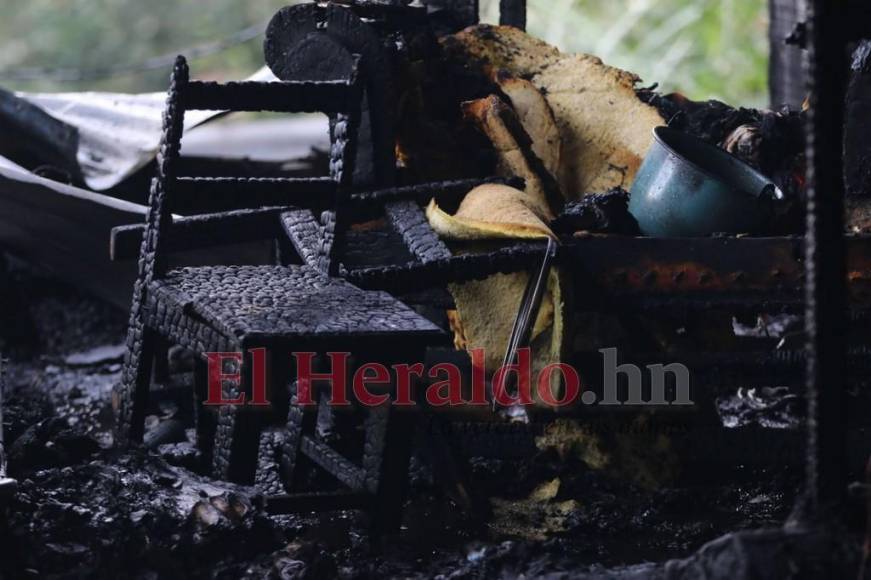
84,510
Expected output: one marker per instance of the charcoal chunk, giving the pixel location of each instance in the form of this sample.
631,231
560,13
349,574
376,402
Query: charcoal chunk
598,213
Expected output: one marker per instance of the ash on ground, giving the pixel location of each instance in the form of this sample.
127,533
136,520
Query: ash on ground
577,509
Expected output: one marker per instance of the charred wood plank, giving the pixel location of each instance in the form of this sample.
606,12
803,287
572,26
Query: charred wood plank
334,463
304,233
513,13
786,80
659,272
857,150
436,273
409,220
125,239
825,259
202,231
444,192
218,194
331,97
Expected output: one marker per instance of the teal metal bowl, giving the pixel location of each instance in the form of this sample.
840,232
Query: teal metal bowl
689,188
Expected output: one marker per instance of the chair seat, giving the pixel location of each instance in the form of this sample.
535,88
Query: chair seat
261,304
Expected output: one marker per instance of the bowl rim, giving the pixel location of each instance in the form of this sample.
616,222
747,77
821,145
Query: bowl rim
662,135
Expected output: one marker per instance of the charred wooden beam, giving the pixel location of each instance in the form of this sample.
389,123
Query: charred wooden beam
786,80
459,13
857,149
409,220
286,96
444,192
202,231
35,140
205,230
216,194
825,257
513,13
304,233
747,273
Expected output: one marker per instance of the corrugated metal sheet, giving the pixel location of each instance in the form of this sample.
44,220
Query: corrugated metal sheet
118,133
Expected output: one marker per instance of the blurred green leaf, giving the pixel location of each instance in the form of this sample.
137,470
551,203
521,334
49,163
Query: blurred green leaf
703,48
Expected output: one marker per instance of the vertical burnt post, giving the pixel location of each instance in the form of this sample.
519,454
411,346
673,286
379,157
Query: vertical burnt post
786,78
7,484
513,13
825,255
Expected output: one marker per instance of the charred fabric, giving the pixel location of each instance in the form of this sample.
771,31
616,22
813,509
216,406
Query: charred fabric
478,192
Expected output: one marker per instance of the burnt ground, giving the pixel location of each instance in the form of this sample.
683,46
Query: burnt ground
585,506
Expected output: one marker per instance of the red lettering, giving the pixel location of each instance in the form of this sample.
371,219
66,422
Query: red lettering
403,382
453,382
337,377
381,377
479,373
216,378
258,377
572,385
523,369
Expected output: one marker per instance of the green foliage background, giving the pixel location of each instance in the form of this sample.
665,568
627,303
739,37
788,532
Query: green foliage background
704,48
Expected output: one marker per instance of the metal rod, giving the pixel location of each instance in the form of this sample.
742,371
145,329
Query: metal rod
825,256
530,304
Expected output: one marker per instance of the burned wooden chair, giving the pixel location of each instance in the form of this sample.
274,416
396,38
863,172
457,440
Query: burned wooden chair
284,308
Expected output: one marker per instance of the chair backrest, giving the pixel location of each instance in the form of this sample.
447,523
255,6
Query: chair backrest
171,192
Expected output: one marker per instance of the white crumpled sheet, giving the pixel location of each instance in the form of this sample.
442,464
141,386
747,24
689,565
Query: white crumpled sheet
119,133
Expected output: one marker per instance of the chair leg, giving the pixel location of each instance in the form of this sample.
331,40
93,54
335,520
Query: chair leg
237,439
451,471
205,418
17,328
130,398
267,479
300,422
160,372
393,434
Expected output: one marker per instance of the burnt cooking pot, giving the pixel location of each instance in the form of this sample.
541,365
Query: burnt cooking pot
689,188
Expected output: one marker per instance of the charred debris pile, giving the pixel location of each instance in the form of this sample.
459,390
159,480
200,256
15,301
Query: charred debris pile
534,148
